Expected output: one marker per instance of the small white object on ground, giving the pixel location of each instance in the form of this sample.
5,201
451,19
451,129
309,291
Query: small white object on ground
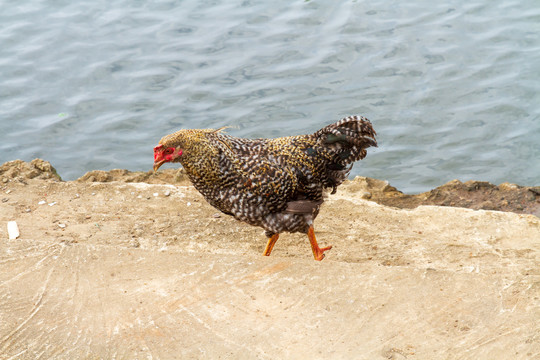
13,230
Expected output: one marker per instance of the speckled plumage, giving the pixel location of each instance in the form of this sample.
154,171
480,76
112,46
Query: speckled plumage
276,184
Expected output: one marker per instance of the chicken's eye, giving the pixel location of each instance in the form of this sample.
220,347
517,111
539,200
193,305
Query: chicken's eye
168,151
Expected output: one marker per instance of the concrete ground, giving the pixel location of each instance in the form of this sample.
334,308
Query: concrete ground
151,271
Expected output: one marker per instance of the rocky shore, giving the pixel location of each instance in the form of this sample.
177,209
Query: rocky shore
138,265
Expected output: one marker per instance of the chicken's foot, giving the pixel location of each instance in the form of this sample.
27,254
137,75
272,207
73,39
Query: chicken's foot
318,253
271,241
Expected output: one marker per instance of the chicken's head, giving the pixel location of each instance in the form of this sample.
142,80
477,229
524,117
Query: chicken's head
163,154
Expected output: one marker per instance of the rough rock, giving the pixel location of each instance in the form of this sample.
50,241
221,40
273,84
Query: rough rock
20,170
471,194
163,177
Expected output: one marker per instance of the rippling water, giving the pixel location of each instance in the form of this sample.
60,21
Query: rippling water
452,90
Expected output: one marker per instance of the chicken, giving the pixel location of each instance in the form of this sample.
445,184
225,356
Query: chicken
276,184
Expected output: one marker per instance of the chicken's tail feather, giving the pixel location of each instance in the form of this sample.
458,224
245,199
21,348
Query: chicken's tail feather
344,142
348,139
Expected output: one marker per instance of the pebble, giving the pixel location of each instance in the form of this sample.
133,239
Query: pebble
13,230
167,193
21,180
487,205
216,215
8,191
366,195
5,200
508,186
42,202
52,204
62,226
188,203
156,194
28,210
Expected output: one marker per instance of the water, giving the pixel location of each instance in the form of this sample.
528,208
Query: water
452,90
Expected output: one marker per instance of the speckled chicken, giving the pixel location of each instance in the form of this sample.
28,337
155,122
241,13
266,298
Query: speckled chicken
276,184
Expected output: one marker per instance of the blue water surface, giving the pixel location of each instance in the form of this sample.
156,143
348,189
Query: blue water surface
453,89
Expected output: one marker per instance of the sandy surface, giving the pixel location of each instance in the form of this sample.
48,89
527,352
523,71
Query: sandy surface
145,268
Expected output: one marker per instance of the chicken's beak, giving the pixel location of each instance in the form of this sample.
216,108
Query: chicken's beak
158,164
158,157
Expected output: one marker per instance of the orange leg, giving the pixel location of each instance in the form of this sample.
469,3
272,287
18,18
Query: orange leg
318,253
271,242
